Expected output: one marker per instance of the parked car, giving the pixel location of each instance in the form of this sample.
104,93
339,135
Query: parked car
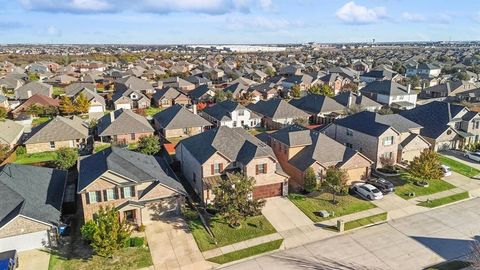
8,260
446,170
368,191
383,185
475,156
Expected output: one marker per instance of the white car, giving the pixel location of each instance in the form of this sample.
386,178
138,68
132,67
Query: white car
368,191
446,170
475,156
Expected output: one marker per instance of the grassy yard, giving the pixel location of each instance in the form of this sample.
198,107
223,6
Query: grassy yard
58,91
225,235
151,111
100,147
40,120
346,204
405,185
128,258
36,158
365,221
459,167
445,200
248,252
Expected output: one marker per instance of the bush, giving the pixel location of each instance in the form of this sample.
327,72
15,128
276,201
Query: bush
137,242
141,228
66,158
20,151
189,214
88,230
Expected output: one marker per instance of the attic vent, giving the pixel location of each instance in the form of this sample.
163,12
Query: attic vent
262,144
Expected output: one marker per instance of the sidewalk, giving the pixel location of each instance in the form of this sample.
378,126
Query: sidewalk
354,216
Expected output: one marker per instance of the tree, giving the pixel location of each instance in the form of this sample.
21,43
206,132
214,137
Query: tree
66,105
426,166
220,96
82,105
33,76
4,149
234,199
385,111
301,122
335,180
463,76
105,232
148,145
34,110
295,90
353,109
66,158
3,113
270,71
323,90
309,180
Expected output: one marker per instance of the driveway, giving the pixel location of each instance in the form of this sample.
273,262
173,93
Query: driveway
412,242
397,207
33,259
173,247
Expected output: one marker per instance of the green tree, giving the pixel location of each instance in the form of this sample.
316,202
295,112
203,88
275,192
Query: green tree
33,76
309,180
385,111
234,199
66,105
426,166
270,71
353,109
463,76
148,145
34,110
335,180
295,91
66,158
220,96
324,90
82,105
106,233
3,113
4,149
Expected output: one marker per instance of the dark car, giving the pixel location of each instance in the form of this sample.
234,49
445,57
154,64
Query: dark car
383,185
8,260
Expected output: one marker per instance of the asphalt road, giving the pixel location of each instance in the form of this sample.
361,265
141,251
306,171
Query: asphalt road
412,242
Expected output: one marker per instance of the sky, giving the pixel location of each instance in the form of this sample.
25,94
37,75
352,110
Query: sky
236,21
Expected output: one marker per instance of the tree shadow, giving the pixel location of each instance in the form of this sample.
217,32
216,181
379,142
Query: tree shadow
319,263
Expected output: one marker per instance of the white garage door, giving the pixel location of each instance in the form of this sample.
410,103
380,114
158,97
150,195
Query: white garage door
24,242
95,109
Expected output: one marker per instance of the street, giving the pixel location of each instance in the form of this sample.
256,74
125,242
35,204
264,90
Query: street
412,242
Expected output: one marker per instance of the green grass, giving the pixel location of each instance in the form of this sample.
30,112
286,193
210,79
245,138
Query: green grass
100,147
58,91
128,258
132,146
40,120
151,111
405,185
459,167
225,235
248,252
36,158
346,204
445,200
365,221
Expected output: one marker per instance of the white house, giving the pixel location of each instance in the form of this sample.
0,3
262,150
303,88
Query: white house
231,114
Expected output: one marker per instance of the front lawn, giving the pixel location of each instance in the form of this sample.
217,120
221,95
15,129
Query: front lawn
406,188
248,252
100,147
459,167
151,111
127,258
40,120
36,158
445,200
365,221
346,204
225,235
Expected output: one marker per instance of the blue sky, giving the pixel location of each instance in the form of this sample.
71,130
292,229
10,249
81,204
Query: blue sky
236,21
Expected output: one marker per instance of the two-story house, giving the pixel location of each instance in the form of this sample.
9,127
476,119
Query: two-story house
130,99
208,157
423,70
142,188
445,125
391,93
278,113
231,114
322,109
298,149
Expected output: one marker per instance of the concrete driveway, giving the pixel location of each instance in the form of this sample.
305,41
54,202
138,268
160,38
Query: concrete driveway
173,247
412,242
33,259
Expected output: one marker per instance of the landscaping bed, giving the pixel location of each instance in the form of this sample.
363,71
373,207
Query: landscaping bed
406,188
252,227
445,200
248,252
459,167
346,204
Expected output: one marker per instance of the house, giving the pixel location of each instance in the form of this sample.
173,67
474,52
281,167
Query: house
304,81
391,93
265,91
380,74
472,96
179,84
177,121
75,88
445,125
142,188
209,157
130,99
133,83
277,113
123,127
32,88
61,80
361,67
423,70
351,100
10,83
167,97
57,133
31,199
322,109
379,136
202,93
97,102
231,114
38,100
11,132
298,148
4,102
448,89
335,81
237,90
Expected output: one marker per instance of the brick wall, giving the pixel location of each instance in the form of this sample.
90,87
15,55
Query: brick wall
21,225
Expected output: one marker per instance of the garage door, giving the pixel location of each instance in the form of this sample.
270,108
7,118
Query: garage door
24,242
266,191
95,109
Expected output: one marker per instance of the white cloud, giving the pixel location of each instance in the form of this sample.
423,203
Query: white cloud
70,6
53,31
413,17
353,13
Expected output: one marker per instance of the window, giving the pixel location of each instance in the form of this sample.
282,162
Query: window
241,113
388,141
262,168
111,194
52,145
93,196
387,154
349,132
132,136
165,101
234,124
185,131
217,168
476,124
128,192
349,145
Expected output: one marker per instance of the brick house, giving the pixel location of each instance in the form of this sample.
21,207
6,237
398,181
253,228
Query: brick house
277,113
177,121
142,188
123,127
208,157
167,97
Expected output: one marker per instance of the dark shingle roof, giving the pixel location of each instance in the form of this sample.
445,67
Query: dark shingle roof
124,122
59,129
386,87
277,109
356,99
177,117
316,104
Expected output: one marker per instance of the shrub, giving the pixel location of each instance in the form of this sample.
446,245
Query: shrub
141,228
20,151
88,230
137,242
66,158
189,214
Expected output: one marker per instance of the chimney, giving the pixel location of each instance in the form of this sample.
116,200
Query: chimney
112,116
409,88
194,108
